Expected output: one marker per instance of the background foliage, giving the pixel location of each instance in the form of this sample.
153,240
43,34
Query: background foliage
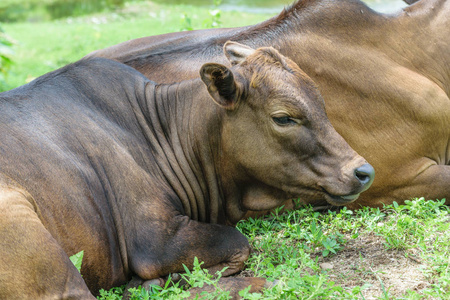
43,45
6,53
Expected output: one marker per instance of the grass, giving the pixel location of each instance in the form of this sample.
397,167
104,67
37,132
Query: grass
292,248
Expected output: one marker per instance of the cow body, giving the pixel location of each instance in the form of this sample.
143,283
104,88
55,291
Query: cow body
143,177
51,135
385,80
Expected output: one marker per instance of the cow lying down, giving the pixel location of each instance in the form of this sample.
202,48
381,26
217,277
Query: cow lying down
145,177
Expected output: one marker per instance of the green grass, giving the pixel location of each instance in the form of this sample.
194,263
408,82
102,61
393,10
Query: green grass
45,46
290,247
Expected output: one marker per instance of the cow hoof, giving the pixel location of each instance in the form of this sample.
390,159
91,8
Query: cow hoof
148,283
136,281
175,278
271,284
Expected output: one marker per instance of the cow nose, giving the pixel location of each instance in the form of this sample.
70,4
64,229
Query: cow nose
365,174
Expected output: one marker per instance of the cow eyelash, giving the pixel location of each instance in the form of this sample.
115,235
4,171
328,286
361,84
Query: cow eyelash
284,121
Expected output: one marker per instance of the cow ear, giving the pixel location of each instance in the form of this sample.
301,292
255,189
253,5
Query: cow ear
221,84
236,53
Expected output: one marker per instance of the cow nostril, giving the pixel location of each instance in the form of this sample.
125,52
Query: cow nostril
365,174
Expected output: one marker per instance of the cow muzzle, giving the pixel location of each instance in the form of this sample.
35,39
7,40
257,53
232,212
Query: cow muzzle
364,176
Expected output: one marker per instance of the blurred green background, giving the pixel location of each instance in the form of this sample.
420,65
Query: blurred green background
41,10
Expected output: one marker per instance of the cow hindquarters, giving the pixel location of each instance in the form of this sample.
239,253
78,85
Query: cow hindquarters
32,264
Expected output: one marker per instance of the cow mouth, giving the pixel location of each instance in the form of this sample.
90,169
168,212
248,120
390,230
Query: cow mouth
340,200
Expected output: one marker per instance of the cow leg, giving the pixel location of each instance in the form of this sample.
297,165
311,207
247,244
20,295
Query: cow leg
234,285
32,264
218,246
433,183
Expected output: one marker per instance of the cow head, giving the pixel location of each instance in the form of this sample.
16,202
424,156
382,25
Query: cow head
276,140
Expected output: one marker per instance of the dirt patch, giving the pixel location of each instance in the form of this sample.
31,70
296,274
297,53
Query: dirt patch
365,260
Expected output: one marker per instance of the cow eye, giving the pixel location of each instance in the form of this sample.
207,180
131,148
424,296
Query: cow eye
284,121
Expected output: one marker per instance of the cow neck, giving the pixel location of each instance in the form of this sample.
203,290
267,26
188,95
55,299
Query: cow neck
185,129
402,38
428,25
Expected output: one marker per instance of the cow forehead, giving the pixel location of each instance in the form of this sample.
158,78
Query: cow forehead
269,67
277,83
293,87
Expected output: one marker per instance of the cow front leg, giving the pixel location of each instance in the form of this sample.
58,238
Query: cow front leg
217,246
167,249
432,184
424,179
32,263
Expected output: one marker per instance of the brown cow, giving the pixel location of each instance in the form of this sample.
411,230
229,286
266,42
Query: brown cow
145,177
385,80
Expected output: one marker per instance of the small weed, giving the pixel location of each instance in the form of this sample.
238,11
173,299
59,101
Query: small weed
385,292
113,294
186,23
407,224
6,61
421,208
77,260
212,21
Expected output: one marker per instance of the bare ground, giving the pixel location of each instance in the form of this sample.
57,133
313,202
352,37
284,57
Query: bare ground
365,260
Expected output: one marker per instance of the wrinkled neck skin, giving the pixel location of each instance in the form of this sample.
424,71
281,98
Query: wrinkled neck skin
184,126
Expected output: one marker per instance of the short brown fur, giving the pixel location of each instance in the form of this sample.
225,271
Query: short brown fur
145,177
385,79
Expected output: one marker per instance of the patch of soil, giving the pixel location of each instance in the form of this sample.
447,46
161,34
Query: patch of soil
365,260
